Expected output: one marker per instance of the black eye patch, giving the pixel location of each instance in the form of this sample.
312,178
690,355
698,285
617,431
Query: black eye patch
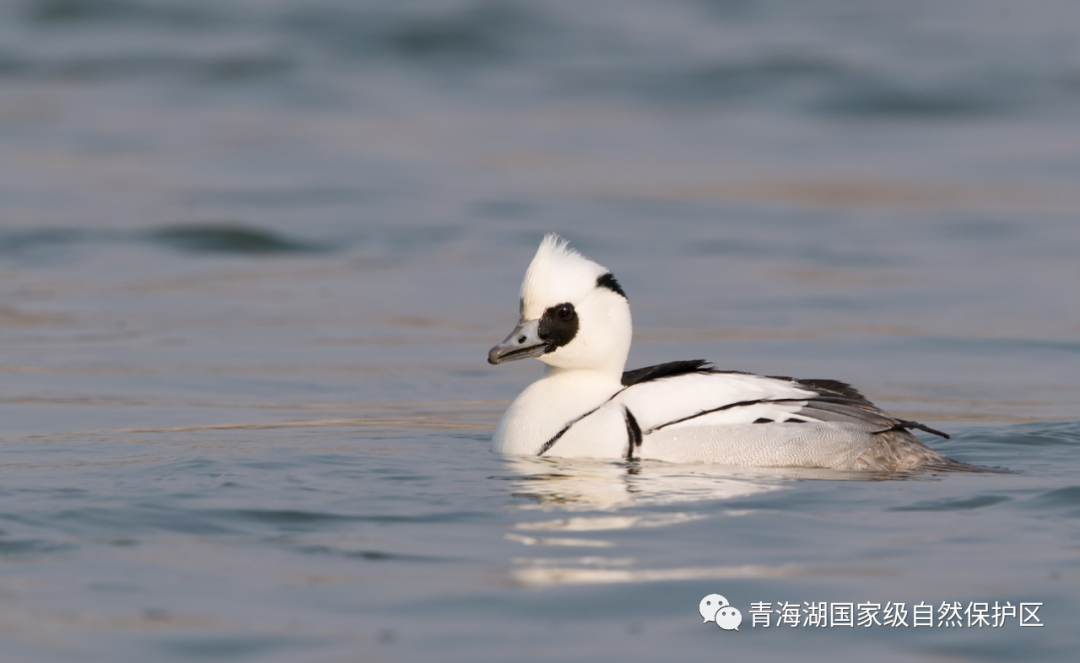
558,326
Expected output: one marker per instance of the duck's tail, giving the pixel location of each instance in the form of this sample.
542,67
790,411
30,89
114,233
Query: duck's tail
897,450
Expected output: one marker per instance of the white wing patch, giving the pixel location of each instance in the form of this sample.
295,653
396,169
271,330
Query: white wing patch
748,414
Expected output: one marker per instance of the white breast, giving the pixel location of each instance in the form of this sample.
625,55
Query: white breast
548,406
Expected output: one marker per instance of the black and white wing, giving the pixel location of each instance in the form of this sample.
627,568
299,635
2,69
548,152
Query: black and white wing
692,393
689,412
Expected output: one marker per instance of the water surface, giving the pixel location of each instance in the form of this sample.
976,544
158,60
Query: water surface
253,256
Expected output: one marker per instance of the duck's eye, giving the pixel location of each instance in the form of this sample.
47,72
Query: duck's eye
558,326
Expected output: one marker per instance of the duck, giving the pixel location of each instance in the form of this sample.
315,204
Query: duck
574,317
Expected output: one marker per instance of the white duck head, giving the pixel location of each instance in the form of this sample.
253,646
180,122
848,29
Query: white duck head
574,314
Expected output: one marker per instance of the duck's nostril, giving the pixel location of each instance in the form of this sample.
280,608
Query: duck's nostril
521,339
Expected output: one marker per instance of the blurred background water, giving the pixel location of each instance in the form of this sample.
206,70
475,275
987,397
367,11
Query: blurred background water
253,253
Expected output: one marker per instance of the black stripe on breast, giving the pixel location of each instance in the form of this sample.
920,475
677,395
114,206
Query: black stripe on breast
633,433
544,448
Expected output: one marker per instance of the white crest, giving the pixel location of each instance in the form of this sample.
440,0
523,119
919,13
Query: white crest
557,274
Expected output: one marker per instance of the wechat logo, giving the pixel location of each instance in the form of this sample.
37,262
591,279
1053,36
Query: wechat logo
715,608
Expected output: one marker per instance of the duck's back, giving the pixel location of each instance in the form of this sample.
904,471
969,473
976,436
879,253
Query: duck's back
688,412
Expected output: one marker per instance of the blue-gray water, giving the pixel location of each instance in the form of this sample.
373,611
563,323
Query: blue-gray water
252,256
